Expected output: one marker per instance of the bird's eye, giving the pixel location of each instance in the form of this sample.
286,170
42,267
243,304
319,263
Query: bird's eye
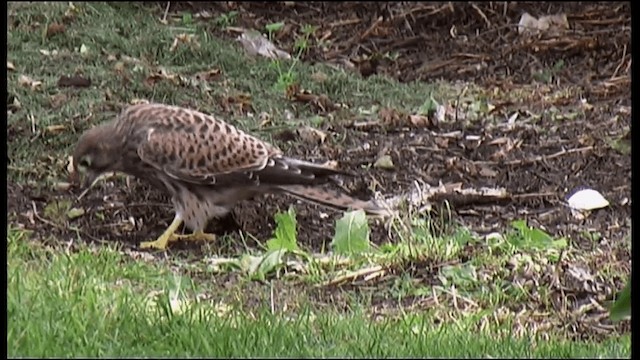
85,162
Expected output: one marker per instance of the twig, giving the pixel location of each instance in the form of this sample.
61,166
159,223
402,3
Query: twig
352,275
535,159
371,28
522,196
624,54
344,22
484,17
166,13
59,227
453,292
50,223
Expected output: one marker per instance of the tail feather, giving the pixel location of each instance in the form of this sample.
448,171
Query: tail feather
286,171
334,199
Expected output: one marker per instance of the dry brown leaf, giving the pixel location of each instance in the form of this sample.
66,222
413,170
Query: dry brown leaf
55,29
137,101
70,169
420,121
311,135
13,105
442,142
55,129
319,103
119,67
70,13
319,76
392,118
487,172
332,164
256,44
73,81
239,103
62,186
208,75
27,81
161,74
187,39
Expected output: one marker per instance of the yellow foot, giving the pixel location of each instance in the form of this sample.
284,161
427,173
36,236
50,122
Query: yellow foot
167,235
162,242
196,236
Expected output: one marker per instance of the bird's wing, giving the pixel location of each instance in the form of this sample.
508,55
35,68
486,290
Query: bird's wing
197,148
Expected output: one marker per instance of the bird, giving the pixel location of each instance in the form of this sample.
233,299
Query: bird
205,164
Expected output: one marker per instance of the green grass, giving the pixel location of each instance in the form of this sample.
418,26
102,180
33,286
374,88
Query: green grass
95,302
126,44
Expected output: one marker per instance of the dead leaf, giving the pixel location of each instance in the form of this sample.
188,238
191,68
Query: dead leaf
384,162
237,103
54,129
392,118
75,212
137,101
46,52
161,74
70,13
367,66
420,121
319,76
119,67
332,164
26,81
311,135
187,39
10,66
286,135
13,104
208,75
442,142
487,172
319,103
55,29
551,24
73,81
62,186
255,43
70,169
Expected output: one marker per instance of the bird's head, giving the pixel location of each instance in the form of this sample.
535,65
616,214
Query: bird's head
95,153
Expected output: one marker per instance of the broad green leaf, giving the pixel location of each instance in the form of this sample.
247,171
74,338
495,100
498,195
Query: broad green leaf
270,261
285,235
273,27
621,308
261,266
352,234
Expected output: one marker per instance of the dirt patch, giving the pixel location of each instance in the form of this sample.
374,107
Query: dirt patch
539,168
539,161
450,41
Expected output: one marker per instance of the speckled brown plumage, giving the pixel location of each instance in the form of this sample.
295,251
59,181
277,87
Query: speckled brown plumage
205,164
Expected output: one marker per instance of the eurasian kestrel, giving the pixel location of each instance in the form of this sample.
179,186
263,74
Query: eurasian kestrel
205,164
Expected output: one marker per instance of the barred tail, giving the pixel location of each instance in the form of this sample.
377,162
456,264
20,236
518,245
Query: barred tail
334,199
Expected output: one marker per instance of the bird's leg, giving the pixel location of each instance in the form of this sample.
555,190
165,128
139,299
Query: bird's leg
167,235
198,235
